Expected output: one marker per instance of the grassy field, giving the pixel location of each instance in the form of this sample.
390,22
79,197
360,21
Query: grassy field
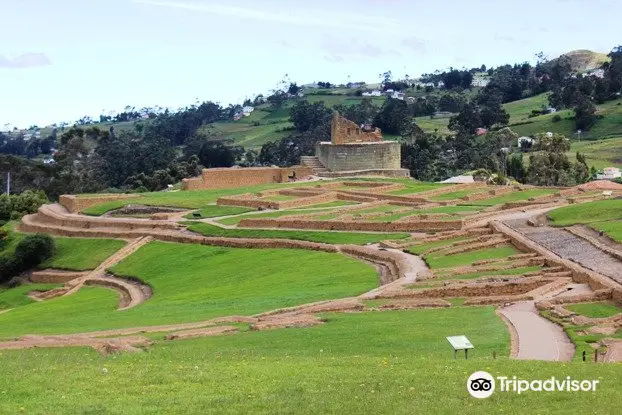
595,310
439,260
328,237
600,153
18,296
77,254
195,282
605,215
274,214
513,197
186,199
81,254
343,366
214,211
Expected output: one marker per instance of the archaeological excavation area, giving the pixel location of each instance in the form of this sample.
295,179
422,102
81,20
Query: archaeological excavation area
267,296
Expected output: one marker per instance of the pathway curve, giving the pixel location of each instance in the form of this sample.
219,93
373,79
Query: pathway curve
538,338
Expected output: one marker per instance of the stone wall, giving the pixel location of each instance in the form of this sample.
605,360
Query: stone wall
413,226
344,131
223,178
75,204
384,155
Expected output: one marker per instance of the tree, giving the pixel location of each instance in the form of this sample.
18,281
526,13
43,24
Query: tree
556,143
362,113
585,114
34,249
293,89
277,99
393,115
307,116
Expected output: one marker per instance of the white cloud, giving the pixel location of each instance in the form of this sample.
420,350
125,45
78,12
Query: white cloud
25,60
340,50
315,18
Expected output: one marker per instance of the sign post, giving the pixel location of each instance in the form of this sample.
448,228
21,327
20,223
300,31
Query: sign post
460,343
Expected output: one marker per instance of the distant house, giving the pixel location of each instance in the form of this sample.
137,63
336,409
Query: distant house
480,131
389,91
398,95
311,86
49,161
551,110
441,84
246,111
374,93
237,116
522,140
609,173
480,82
460,179
355,85
599,73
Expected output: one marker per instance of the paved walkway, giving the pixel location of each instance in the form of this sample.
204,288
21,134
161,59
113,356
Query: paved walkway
538,338
569,246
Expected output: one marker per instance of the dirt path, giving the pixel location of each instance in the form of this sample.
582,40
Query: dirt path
131,293
415,266
538,338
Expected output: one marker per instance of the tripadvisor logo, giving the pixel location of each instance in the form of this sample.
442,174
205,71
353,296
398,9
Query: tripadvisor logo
481,385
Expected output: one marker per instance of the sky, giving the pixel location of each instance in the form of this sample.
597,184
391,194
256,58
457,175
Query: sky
64,59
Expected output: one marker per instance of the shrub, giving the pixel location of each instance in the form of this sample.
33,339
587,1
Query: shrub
557,118
33,250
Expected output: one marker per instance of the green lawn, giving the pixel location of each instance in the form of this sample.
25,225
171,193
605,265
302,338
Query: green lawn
15,297
595,310
413,187
214,211
196,282
605,215
421,248
439,260
517,196
599,153
328,237
187,199
454,195
77,254
274,214
393,362
81,254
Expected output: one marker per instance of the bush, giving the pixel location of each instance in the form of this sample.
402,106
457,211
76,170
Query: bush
13,207
557,118
33,250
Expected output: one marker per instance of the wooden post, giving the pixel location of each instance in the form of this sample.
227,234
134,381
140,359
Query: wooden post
455,354
494,355
584,355
466,354
596,355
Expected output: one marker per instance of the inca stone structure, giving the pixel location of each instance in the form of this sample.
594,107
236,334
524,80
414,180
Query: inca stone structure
357,149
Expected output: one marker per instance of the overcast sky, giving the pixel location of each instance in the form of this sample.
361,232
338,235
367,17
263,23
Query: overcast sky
63,59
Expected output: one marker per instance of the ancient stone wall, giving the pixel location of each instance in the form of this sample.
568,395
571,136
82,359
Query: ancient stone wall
75,204
384,155
223,178
413,226
344,131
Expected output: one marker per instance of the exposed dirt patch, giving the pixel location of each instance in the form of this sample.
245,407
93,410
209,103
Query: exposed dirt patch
103,346
211,331
287,321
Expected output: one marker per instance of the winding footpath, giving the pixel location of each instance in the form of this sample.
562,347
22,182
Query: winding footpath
538,338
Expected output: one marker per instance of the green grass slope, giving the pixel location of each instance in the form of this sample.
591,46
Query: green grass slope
194,283
394,362
605,215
